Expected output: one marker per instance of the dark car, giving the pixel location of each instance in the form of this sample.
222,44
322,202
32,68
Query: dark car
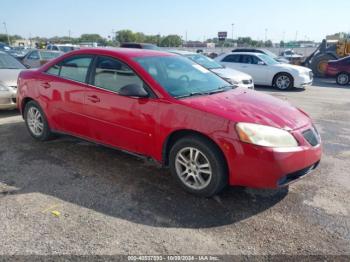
340,69
262,51
4,47
139,46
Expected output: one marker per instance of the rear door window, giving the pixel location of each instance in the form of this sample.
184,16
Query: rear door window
74,68
232,59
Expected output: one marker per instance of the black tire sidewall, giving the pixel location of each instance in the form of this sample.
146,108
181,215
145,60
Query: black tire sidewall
46,134
291,85
215,157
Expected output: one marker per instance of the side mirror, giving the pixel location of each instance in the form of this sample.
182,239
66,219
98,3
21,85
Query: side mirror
261,63
133,90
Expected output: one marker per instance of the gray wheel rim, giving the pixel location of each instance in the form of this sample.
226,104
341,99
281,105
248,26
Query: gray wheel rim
283,82
343,79
193,168
35,121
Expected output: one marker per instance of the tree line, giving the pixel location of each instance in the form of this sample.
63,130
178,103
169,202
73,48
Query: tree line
121,36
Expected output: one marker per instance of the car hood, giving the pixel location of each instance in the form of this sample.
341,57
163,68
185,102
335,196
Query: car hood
300,69
9,77
231,73
240,105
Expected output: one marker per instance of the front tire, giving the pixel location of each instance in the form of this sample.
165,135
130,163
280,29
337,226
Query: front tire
36,122
283,81
198,165
343,79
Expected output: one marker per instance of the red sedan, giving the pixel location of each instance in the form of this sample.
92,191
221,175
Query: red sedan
340,69
164,106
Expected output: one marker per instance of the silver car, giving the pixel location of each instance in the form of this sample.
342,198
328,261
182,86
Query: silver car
9,70
232,76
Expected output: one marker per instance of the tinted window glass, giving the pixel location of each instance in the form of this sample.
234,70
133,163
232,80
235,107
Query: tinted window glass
34,55
76,68
112,74
249,59
231,59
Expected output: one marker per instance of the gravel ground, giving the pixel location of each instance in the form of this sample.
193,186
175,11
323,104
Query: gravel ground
69,196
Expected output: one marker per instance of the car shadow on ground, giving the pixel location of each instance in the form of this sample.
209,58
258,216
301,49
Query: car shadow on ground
329,82
117,184
8,113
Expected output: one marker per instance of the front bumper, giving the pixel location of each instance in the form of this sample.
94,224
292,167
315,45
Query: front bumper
263,167
8,100
303,80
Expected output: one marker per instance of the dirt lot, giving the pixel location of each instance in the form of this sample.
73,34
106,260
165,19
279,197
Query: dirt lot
113,203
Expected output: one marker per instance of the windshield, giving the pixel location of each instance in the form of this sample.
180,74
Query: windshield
8,62
268,59
269,53
47,55
181,77
66,49
204,61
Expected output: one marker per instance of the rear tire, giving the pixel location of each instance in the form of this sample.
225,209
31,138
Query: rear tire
283,81
198,166
343,79
36,122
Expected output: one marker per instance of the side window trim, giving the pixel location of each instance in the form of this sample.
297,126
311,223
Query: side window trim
91,76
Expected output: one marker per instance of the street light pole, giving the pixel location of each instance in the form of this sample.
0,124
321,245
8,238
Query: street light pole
8,37
232,29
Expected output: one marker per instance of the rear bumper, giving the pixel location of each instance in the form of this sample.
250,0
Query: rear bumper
262,167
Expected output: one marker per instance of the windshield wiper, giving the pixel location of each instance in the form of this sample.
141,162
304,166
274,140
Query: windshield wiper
192,94
221,89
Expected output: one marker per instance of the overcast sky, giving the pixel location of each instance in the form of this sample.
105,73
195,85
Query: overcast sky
279,19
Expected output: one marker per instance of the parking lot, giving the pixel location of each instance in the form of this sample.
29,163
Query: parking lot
69,196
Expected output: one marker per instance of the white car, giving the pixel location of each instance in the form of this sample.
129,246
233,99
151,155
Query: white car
232,76
9,71
267,71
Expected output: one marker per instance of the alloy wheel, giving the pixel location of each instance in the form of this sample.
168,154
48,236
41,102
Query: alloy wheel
283,82
193,168
35,121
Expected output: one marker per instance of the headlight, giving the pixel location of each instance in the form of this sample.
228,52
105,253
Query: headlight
265,135
232,81
4,88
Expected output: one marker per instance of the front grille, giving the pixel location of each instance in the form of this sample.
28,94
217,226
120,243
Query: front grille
247,82
311,75
296,175
311,136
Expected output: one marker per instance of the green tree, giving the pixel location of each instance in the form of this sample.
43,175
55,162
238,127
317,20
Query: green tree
268,43
171,41
92,38
125,36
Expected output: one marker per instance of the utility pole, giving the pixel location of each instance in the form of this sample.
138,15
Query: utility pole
8,37
265,35
232,30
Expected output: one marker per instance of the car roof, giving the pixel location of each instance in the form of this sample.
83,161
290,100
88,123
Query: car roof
243,53
182,52
126,52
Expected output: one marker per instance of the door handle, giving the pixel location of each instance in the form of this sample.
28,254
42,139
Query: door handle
94,99
46,85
